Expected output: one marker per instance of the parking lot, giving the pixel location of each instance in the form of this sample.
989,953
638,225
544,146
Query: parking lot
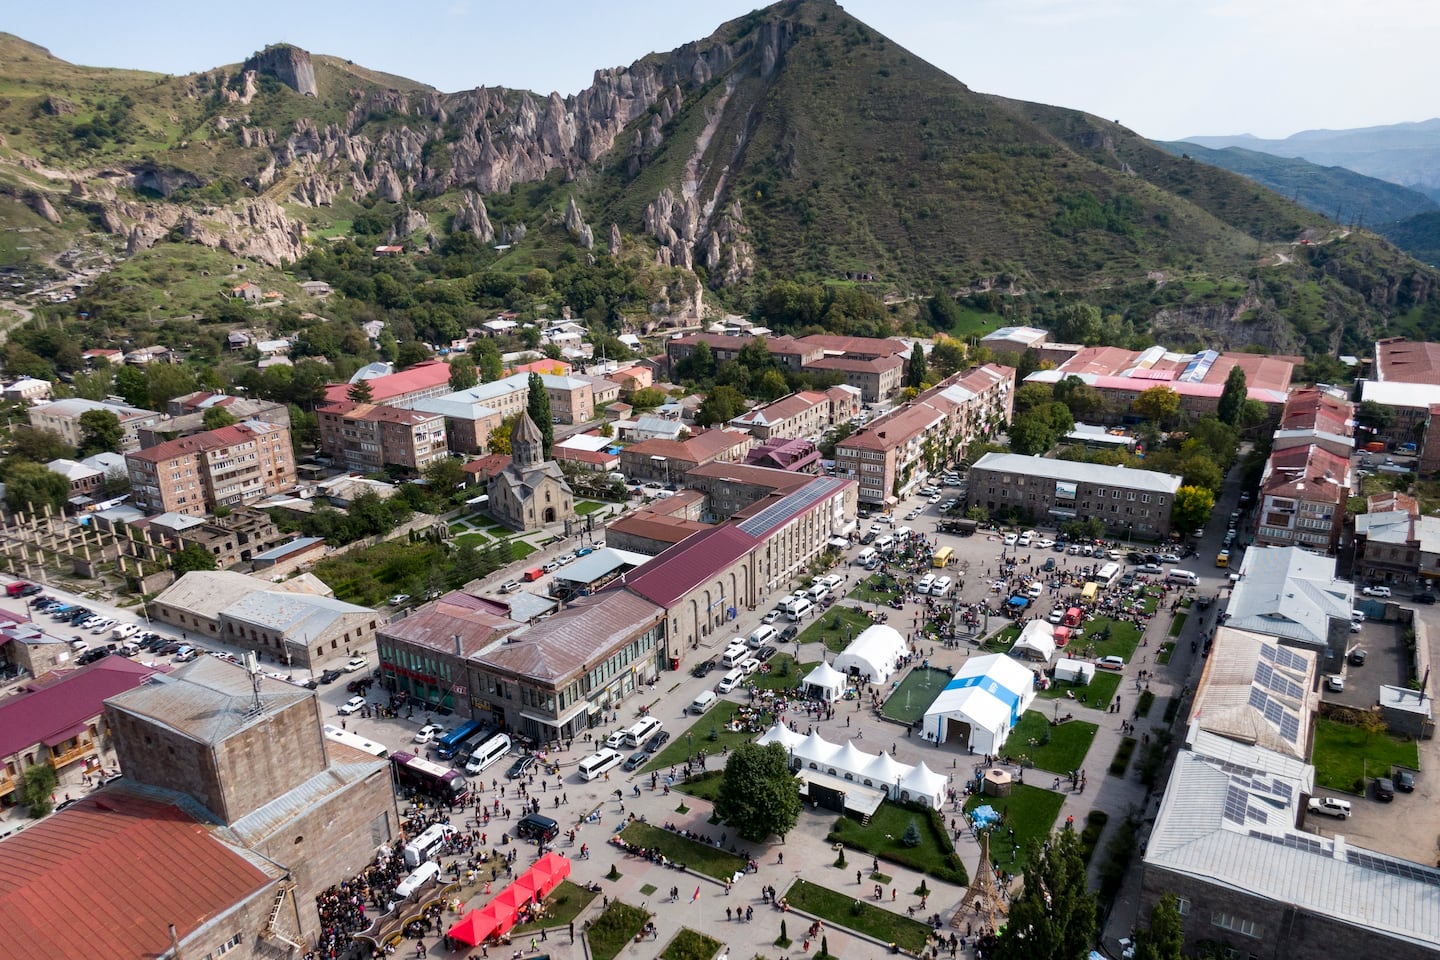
1386,662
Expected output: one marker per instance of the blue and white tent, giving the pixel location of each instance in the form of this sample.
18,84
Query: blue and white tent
979,707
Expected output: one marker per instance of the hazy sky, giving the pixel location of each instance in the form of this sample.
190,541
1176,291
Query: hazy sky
1164,68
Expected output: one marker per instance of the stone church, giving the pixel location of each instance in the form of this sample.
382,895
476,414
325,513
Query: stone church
531,492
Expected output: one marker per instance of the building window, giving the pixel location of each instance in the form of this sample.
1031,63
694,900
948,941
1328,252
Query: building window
1246,928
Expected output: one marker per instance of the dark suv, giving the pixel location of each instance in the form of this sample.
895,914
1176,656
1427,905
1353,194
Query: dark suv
1384,789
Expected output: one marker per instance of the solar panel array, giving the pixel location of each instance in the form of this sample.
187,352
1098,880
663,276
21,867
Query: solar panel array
1239,810
1295,841
789,505
1283,657
1395,868
1276,682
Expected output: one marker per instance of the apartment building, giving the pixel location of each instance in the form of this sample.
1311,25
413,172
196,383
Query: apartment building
429,378
1302,499
230,466
472,415
668,461
367,437
1038,490
800,414
63,417
1316,416
876,378
892,455
572,399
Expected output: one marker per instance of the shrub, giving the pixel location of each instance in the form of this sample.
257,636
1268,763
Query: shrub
1172,707
912,835
1122,757
1147,700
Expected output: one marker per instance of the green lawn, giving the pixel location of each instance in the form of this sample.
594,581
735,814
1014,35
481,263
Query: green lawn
583,507
1065,751
883,835
705,785
472,540
1121,641
1031,811
1166,651
1097,695
830,627
679,747
690,945
614,930
1178,623
565,903
844,910
916,692
1001,640
711,861
783,674
1344,755
519,549
873,590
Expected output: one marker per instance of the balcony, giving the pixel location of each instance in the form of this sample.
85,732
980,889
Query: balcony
60,757
8,783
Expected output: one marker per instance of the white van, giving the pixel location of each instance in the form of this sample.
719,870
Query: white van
597,763
704,702
941,587
885,544
426,846
734,655
730,681
762,636
817,593
646,728
923,587
487,753
1187,577
419,878
866,555
797,609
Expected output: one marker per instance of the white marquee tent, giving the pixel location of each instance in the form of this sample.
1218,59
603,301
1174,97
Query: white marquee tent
981,705
900,781
1036,642
824,683
874,654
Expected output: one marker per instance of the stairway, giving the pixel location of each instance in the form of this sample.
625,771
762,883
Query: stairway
271,931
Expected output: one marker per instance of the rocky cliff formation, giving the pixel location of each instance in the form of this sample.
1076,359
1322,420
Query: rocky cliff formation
288,64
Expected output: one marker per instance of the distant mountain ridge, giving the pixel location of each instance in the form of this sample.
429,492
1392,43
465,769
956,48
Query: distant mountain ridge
1404,153
794,142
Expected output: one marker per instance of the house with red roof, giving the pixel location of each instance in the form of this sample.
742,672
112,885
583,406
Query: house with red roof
667,461
426,379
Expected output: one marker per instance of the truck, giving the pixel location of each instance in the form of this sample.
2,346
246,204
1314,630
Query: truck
530,576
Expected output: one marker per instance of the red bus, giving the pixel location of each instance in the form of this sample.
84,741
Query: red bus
420,775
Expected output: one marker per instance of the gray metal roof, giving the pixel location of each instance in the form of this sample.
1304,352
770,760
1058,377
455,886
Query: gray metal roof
207,700
602,562
297,616
1228,819
1079,472
1289,592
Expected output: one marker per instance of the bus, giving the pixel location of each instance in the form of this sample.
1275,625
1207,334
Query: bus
943,557
355,741
1108,574
449,745
422,776
596,764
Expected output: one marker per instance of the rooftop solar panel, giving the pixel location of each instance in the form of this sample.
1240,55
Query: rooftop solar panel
1291,660
789,505
1395,868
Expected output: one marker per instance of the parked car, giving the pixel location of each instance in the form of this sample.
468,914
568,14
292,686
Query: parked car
1151,568
1426,597
1404,780
521,766
1384,789
1010,539
352,705
185,654
765,653
330,676
356,663
1329,806
1111,663
1357,657
103,625
702,668
789,633
428,733
510,586
398,599
1335,682
770,616
657,742
1376,591
636,760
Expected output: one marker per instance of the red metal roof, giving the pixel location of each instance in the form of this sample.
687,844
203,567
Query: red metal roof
677,571
65,703
422,376
209,440
107,876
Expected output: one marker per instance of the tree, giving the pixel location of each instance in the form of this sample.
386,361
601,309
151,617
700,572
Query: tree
131,384
757,794
722,405
166,381
192,557
1375,417
499,440
1083,400
410,353
41,446
1201,471
1159,405
947,357
1165,936
1031,435
488,359
1055,916
216,417
538,407
772,386
463,374
1233,397
1031,395
100,432
37,786
360,392
445,476
916,370
912,834
647,398
29,486
699,365
1192,508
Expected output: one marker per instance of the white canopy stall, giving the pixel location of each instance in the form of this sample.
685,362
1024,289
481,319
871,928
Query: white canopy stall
1036,642
863,778
824,683
874,655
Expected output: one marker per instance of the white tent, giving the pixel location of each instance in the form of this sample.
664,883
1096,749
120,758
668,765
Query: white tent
783,735
850,760
885,771
981,704
875,654
815,750
923,785
1079,672
1036,642
824,683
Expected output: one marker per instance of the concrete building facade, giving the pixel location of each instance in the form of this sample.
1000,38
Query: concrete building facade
63,417
229,466
366,437
1129,502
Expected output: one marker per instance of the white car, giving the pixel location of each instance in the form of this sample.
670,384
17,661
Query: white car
1111,663
770,617
398,599
1010,539
1056,615
428,733
1335,682
355,663
1044,543
103,625
1034,591
1168,558
1330,806
1376,591
352,705
1024,541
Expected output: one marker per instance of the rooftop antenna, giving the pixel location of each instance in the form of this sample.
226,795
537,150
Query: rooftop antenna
252,667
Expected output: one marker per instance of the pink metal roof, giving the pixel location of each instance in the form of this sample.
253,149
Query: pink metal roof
422,376
59,706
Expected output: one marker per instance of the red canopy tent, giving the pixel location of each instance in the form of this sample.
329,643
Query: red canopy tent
547,873
517,895
473,928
